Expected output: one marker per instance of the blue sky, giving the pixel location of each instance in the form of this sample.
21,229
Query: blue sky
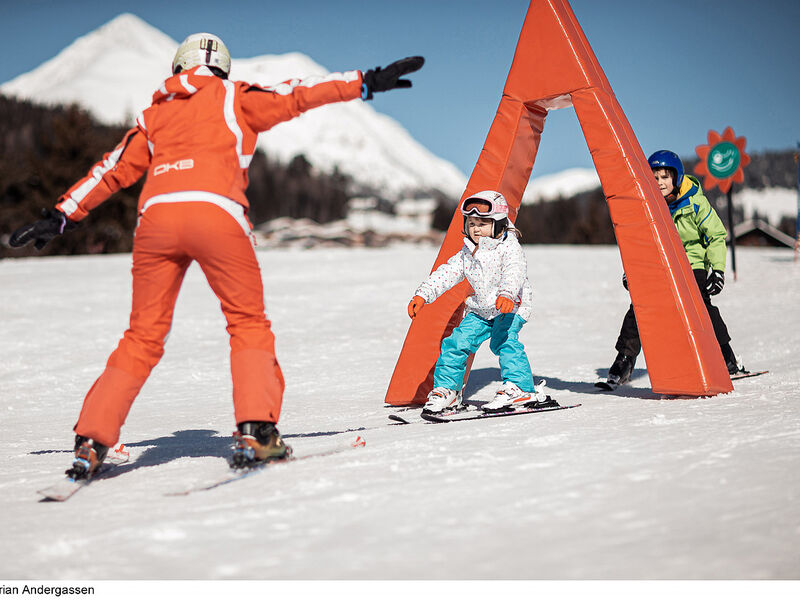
678,67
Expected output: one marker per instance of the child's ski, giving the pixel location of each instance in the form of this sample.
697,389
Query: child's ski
610,386
473,414
745,374
405,415
404,419
408,417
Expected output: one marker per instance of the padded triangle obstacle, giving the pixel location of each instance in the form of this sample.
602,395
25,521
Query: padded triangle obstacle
554,67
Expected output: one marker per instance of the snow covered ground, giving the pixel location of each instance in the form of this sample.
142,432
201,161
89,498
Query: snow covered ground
628,486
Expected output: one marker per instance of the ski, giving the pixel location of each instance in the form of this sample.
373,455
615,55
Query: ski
245,473
417,417
68,487
406,415
402,408
610,386
472,415
404,419
745,374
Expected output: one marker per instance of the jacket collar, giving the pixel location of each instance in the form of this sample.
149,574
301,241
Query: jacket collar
688,189
486,243
184,84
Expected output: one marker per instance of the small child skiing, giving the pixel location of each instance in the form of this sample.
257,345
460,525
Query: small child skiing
493,263
703,237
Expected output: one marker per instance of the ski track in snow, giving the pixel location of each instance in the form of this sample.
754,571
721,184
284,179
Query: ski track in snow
628,486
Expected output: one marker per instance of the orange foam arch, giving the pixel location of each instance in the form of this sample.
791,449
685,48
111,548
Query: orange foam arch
554,67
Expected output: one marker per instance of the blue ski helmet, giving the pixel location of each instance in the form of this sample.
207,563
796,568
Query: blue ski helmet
664,159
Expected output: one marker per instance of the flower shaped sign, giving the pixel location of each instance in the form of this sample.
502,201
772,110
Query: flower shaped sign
722,160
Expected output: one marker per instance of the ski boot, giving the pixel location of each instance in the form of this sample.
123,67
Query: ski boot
89,455
510,397
733,364
442,399
256,443
622,369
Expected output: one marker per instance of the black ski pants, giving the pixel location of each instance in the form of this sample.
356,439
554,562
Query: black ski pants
629,343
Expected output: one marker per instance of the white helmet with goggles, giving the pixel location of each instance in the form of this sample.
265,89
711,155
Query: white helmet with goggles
487,205
202,49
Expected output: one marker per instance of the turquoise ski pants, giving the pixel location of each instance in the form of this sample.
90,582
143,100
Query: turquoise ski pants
468,337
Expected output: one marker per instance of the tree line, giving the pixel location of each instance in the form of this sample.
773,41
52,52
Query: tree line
44,150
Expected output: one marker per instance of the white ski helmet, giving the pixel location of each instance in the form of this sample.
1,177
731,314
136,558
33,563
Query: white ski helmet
202,49
487,204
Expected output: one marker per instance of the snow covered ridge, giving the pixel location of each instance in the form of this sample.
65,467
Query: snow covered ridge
565,184
113,71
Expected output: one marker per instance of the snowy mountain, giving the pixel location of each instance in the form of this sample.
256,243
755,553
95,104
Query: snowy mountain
113,71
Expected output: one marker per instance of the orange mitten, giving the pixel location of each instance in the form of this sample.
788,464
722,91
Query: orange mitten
416,303
503,304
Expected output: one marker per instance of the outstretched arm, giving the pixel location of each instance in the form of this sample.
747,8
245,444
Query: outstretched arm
119,169
265,107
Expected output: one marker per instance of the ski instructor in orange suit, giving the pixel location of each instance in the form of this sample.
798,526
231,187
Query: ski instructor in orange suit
195,143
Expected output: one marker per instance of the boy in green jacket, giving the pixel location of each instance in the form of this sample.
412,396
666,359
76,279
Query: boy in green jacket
703,237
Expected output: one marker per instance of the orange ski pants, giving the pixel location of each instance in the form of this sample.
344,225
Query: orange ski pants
169,237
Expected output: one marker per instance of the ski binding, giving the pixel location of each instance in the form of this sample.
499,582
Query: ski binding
68,487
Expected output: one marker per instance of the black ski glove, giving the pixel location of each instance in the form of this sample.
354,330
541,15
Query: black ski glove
53,223
715,282
625,281
382,80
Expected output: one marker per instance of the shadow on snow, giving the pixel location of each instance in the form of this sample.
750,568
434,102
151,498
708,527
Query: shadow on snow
189,443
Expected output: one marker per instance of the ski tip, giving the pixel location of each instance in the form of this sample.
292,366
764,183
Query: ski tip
399,420
746,374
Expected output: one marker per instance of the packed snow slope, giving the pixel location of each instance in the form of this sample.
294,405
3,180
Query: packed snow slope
628,485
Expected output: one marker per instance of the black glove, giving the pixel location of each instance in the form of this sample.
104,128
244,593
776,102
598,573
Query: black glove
53,223
625,281
715,282
382,80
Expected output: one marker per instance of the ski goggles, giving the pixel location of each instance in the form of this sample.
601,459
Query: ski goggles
483,207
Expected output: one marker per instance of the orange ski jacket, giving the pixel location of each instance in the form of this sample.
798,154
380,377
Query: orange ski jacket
199,134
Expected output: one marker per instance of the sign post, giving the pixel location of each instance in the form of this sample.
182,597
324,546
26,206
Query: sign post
721,162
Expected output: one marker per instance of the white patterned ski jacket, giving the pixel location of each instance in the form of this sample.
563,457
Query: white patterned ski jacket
496,267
